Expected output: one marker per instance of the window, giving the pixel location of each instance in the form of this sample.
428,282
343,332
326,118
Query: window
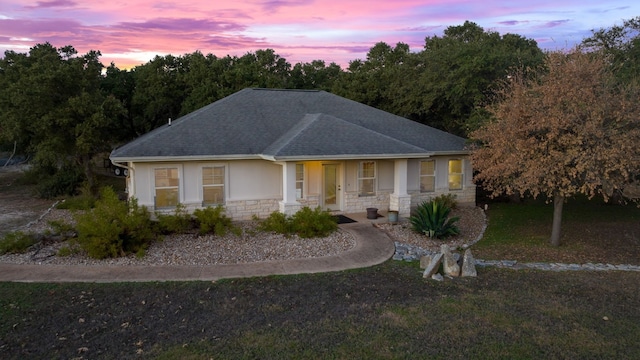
427,176
213,185
455,174
167,184
367,178
299,181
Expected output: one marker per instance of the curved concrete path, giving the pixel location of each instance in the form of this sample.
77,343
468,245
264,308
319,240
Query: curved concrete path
372,247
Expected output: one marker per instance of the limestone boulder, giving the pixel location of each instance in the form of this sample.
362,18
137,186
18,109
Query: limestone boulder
434,265
468,264
450,265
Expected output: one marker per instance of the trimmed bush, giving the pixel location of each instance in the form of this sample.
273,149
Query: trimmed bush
114,228
309,223
276,222
432,219
16,242
306,223
212,220
178,222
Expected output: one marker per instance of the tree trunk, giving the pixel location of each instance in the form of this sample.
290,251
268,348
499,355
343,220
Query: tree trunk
558,202
91,177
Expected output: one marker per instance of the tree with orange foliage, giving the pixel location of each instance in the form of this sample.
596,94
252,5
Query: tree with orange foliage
567,129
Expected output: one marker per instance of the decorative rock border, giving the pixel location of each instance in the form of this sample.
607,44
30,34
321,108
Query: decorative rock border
406,252
511,264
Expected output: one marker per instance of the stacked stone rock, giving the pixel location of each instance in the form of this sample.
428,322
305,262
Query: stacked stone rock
450,265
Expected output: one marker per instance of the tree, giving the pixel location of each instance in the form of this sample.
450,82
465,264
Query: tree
52,106
381,80
564,130
460,70
622,43
314,75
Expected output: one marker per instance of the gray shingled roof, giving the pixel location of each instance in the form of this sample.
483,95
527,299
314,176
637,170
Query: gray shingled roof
288,124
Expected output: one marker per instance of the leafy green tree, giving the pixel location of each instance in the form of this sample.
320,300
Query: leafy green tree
568,128
460,71
314,75
121,85
53,107
622,43
381,80
159,92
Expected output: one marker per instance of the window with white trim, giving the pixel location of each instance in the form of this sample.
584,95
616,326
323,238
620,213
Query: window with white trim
213,185
427,176
367,178
299,181
455,174
167,184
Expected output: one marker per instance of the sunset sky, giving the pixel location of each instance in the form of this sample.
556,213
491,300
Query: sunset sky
132,32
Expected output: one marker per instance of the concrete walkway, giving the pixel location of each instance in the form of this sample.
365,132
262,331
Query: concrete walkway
372,247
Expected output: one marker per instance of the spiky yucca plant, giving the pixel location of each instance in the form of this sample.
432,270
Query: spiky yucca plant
432,219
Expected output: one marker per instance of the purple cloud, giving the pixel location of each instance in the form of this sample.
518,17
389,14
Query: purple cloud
182,25
555,23
275,5
512,22
52,4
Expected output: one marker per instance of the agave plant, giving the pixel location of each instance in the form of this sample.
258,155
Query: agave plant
432,219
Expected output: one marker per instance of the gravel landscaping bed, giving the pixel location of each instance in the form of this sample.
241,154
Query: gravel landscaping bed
251,246
472,224
193,249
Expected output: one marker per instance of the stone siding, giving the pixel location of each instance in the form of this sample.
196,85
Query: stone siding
357,204
464,197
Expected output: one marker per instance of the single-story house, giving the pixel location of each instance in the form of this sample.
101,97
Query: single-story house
263,150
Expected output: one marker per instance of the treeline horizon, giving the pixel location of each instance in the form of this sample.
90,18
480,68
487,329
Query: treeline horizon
62,108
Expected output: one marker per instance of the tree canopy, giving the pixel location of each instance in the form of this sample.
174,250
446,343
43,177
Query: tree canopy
62,109
564,129
52,106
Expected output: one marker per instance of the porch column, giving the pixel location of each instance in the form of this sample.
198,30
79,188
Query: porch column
400,200
289,205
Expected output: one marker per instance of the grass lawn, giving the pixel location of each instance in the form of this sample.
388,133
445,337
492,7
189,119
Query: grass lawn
592,231
384,312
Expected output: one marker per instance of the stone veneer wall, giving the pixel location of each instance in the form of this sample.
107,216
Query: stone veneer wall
464,197
357,204
245,209
312,201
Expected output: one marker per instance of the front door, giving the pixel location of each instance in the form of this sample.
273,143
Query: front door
331,187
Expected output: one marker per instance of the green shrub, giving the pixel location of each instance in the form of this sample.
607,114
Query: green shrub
276,222
432,219
63,181
306,223
212,220
61,228
68,250
309,223
16,242
80,202
447,200
178,222
114,228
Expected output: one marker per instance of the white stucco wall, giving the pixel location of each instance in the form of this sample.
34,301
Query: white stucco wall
255,186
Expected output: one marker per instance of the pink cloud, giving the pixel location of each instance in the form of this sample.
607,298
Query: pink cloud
300,30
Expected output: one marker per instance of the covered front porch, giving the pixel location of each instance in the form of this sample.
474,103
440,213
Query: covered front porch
346,186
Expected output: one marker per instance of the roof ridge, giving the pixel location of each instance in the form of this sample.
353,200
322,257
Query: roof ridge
310,119
290,135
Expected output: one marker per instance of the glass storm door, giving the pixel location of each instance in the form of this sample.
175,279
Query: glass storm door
331,187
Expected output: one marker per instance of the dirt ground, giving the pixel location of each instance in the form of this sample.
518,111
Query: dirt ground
18,206
387,311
